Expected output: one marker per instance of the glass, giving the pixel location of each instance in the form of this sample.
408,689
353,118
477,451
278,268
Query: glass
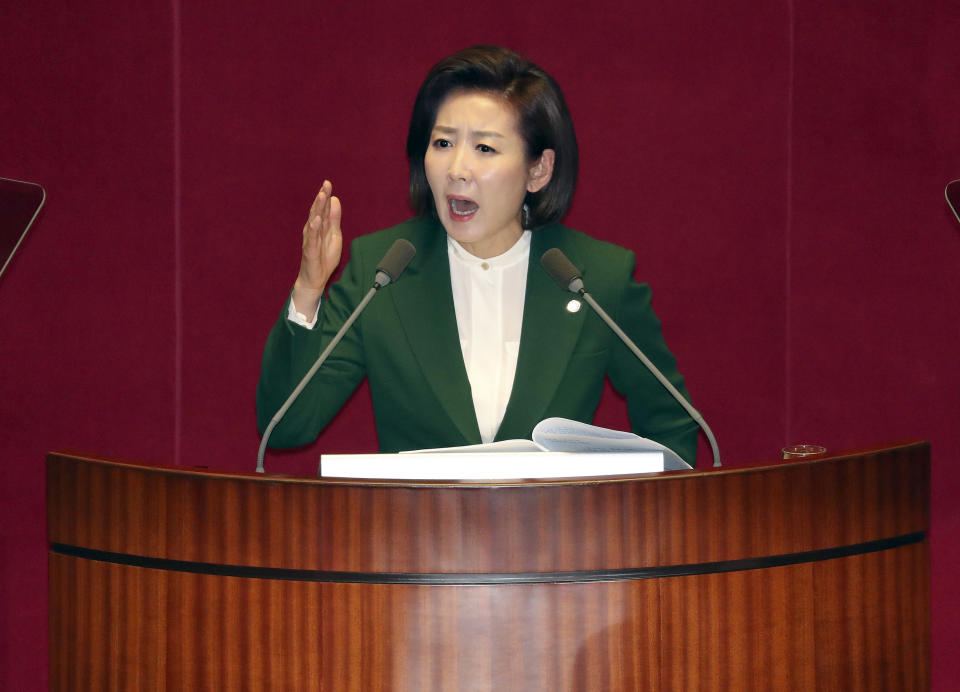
803,451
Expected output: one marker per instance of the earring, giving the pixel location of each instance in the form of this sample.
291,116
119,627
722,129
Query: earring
525,216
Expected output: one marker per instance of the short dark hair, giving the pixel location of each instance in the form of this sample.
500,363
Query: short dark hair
536,98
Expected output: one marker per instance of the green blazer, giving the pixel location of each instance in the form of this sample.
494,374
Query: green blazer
406,342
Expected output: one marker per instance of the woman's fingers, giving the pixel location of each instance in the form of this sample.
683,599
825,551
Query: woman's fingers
331,237
319,212
322,242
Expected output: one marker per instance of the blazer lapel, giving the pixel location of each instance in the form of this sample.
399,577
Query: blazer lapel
424,301
547,338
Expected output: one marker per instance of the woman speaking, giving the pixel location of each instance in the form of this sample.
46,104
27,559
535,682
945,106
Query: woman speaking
475,342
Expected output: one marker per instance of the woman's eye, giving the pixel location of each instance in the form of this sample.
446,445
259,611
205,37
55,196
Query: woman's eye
442,143
486,149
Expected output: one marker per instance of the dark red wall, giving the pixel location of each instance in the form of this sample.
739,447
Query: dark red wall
779,169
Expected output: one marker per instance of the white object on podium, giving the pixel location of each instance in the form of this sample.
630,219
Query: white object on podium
560,448
484,466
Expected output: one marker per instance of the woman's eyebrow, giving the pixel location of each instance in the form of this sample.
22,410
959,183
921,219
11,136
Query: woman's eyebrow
443,129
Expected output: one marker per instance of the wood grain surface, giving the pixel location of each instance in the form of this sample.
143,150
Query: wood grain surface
858,622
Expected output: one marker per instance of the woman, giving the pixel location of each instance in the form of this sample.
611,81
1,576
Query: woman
474,342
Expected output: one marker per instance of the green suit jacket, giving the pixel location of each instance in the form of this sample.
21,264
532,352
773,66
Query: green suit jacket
406,342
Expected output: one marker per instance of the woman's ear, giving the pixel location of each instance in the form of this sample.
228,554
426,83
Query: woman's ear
541,171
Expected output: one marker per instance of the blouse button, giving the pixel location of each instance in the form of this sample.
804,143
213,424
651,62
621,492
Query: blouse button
484,266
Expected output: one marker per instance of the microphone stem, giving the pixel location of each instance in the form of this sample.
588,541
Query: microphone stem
310,373
656,373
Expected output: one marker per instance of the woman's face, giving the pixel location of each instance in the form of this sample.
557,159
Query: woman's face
478,172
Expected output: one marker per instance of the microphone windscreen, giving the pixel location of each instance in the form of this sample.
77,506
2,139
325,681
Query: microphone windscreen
397,258
559,267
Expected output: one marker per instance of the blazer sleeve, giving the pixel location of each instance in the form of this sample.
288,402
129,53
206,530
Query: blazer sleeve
291,350
653,411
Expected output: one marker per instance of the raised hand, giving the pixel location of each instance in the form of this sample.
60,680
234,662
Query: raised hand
322,244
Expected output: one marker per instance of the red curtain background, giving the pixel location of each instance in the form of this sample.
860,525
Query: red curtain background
778,167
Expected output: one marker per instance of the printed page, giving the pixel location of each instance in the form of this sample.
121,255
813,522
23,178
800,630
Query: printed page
564,435
499,446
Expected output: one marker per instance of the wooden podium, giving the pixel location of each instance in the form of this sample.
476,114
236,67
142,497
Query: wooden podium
792,576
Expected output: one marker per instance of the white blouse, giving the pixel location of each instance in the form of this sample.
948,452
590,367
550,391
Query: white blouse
488,297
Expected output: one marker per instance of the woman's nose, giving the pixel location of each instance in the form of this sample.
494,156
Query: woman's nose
459,166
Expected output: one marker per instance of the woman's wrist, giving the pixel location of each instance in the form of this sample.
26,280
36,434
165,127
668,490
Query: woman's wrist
306,299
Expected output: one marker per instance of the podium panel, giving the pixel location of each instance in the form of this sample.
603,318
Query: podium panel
808,575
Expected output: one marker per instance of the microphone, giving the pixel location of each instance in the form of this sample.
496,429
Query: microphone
567,276
562,270
388,270
952,193
394,262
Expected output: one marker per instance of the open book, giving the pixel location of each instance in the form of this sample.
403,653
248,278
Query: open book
560,448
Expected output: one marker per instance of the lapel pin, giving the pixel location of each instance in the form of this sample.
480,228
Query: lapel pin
573,306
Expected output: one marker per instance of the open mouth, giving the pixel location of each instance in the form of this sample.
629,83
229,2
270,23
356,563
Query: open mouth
462,207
